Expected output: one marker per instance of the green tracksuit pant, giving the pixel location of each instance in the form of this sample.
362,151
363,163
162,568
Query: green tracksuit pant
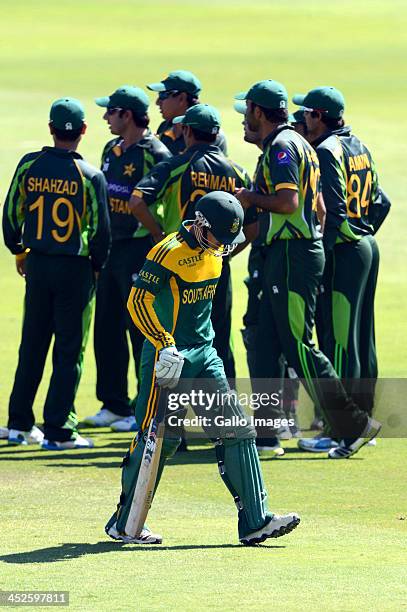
257,342
348,315
58,302
292,273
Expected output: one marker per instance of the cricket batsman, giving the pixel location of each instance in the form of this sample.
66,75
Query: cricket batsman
171,303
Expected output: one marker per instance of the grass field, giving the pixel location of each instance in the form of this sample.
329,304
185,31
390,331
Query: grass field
349,552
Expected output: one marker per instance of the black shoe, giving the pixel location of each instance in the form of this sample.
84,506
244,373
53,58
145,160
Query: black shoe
182,448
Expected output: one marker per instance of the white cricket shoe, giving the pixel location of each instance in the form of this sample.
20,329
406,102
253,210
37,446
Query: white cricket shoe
347,447
146,536
4,433
76,442
318,444
103,418
23,438
125,424
277,527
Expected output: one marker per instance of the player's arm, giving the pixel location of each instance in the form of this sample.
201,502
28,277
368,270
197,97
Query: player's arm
149,190
380,204
333,192
99,221
14,210
142,213
321,211
151,279
285,178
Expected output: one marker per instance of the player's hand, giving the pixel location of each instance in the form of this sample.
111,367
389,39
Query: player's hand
169,367
20,264
158,236
244,197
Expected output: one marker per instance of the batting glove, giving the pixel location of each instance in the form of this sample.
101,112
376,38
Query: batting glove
169,367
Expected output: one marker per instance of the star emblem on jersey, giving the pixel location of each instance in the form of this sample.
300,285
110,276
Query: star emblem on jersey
235,226
129,169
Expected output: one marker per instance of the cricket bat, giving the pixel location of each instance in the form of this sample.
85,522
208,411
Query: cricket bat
144,490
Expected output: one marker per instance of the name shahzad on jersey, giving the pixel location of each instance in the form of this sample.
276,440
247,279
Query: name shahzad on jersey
359,162
191,296
213,181
52,185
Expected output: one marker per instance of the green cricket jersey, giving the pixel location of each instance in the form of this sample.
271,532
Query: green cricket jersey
349,185
123,169
57,205
289,162
171,300
180,181
176,144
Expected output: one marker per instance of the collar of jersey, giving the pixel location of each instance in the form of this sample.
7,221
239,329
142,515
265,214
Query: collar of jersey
187,236
343,131
269,139
203,146
62,152
141,143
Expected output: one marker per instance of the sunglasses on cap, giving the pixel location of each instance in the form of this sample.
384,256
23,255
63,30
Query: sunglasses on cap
314,110
112,111
163,95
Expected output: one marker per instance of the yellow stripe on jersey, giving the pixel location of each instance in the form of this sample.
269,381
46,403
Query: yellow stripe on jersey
292,186
140,307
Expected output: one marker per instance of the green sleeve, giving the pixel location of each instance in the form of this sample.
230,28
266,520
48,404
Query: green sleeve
283,162
153,185
13,210
99,221
333,182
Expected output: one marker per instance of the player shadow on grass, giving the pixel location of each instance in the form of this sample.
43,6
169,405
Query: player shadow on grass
88,458
67,551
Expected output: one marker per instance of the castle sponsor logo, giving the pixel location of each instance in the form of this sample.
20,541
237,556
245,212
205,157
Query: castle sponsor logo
190,261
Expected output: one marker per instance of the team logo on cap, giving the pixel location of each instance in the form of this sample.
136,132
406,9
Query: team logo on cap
235,226
68,126
283,158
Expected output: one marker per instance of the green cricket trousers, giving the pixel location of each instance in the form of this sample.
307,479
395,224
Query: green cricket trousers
292,274
58,302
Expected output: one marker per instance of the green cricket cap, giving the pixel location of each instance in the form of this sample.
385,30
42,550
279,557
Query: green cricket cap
297,117
127,98
240,107
224,214
202,117
67,114
179,80
326,99
269,94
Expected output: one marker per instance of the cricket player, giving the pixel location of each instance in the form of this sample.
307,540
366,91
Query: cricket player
176,93
179,183
171,304
297,120
350,189
125,160
287,186
56,223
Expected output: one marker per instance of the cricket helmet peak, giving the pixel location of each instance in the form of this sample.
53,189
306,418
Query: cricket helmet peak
222,215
